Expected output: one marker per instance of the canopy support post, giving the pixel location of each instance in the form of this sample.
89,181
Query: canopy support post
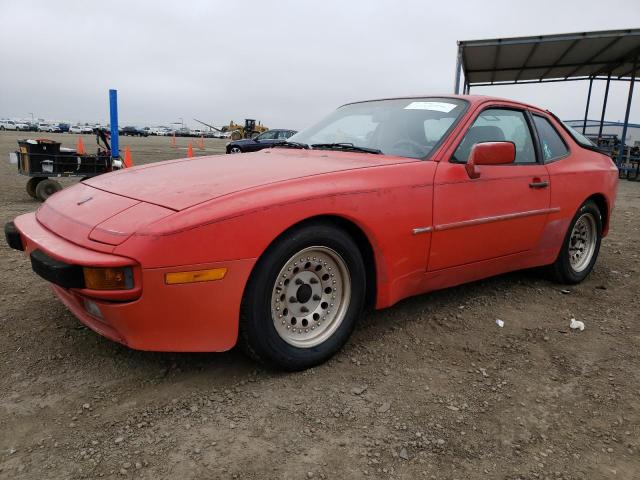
626,115
458,70
586,111
604,106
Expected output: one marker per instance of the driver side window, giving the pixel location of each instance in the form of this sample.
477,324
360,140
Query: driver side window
270,135
499,125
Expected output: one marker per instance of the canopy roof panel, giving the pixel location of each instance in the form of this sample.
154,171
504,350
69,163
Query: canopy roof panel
551,57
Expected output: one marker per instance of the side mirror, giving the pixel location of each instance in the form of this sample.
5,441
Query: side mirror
490,153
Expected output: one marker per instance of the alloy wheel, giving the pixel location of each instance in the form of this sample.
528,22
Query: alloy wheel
310,296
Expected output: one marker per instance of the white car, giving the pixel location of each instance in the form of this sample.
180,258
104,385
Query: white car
48,127
86,129
75,129
160,131
8,125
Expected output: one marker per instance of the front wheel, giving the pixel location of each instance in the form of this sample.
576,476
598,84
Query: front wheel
303,298
581,245
235,150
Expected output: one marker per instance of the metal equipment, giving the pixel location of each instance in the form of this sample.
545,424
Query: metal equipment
42,160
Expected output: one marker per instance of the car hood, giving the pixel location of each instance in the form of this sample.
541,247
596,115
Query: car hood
180,184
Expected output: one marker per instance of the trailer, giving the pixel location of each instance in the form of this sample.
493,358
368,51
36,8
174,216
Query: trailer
44,160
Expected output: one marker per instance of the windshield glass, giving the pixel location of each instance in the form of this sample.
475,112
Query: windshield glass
403,127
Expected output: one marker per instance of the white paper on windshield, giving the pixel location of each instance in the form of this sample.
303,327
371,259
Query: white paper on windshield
436,106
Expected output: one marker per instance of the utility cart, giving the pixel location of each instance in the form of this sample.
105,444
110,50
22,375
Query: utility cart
43,160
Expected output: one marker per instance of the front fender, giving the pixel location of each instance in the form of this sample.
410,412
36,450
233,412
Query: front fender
386,203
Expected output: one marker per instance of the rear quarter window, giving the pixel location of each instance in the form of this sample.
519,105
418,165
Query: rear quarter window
551,143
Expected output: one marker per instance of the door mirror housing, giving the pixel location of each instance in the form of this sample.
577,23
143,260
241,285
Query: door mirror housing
490,153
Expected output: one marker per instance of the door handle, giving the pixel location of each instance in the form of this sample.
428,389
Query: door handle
537,183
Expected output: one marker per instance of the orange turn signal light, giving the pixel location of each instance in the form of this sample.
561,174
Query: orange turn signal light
98,278
195,276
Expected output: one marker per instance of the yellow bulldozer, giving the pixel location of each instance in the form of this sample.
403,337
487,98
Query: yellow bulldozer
249,130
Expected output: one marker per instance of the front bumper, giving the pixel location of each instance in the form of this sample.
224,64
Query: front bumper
193,317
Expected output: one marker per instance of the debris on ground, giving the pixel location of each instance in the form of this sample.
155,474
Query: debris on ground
576,324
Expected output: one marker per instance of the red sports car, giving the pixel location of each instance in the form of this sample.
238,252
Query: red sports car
281,250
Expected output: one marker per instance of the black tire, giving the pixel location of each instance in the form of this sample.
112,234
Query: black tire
258,335
562,269
46,188
234,149
32,184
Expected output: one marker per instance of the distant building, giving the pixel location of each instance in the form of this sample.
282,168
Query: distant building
609,128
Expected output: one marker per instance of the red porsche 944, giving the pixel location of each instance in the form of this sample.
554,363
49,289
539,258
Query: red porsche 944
282,249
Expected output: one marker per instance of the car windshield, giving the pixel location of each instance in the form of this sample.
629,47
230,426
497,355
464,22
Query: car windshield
402,127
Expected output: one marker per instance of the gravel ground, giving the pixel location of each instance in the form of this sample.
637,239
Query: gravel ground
430,388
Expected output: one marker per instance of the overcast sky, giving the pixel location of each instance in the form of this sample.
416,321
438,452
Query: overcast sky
286,63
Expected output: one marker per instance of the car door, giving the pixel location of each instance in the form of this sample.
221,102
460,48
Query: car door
501,212
264,140
271,137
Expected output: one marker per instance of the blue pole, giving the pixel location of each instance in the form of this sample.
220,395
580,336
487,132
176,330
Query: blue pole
113,112
626,115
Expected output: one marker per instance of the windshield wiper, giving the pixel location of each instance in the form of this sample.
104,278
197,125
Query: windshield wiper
288,144
346,146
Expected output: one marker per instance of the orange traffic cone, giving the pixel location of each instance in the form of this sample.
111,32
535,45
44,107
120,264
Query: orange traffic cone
190,151
80,147
128,163
201,142
173,140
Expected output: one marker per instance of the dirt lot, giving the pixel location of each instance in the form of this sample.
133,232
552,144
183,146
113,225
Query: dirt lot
431,388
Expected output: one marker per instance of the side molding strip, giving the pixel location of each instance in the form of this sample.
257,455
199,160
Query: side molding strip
419,230
498,218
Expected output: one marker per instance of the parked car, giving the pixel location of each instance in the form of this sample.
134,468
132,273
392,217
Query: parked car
281,249
160,131
134,132
64,127
86,129
182,132
264,140
75,129
23,126
48,127
8,125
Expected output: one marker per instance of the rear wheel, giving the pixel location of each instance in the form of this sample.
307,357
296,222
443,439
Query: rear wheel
46,188
303,298
32,184
581,245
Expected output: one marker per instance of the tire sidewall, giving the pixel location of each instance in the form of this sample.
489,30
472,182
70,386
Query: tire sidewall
32,183
564,264
262,336
46,188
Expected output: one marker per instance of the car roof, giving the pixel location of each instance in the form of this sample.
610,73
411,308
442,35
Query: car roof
472,99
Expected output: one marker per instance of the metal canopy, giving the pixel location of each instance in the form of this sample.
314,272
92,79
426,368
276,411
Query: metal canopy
545,58
607,55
